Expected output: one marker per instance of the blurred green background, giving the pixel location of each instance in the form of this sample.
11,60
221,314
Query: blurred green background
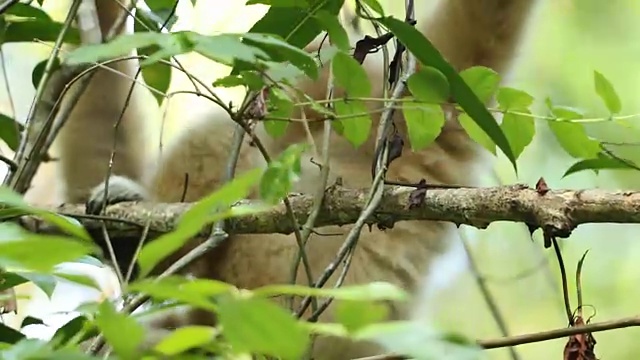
570,40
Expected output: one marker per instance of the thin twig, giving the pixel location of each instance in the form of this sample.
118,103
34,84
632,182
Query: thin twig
35,128
486,293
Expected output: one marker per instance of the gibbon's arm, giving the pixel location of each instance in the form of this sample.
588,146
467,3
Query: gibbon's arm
86,140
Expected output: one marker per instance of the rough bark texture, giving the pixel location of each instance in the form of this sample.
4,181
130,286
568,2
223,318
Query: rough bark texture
557,211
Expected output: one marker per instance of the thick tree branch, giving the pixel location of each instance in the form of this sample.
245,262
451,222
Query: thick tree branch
557,211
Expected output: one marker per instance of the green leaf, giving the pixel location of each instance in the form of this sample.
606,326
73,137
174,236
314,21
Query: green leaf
519,129
429,85
10,131
164,9
281,174
35,251
38,70
354,121
281,51
428,55
9,335
571,135
27,11
78,329
209,209
607,93
337,34
513,99
259,326
600,163
354,315
124,44
517,123
80,279
296,25
424,123
30,320
9,280
418,341
121,331
185,338
374,5
156,75
280,3
68,225
483,81
280,106
350,76
197,292
476,133
366,292
42,30
45,282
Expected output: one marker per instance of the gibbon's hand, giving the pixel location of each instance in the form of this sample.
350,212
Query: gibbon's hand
120,189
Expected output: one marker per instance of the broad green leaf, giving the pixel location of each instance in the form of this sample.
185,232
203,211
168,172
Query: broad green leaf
280,3
366,292
259,326
350,76
429,85
281,174
120,46
35,251
30,320
79,279
27,11
185,338
156,75
600,163
570,135
418,341
9,280
517,123
78,329
483,81
607,93
282,73
121,331
424,123
164,9
198,292
354,315
70,226
428,55
476,133
45,282
237,189
281,51
280,106
513,99
209,209
337,34
354,121
296,25
10,131
374,5
9,335
519,129
574,139
42,30
38,70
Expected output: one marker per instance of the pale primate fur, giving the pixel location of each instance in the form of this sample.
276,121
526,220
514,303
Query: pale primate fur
467,32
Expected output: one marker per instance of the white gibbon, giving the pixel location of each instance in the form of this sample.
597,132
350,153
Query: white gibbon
467,33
